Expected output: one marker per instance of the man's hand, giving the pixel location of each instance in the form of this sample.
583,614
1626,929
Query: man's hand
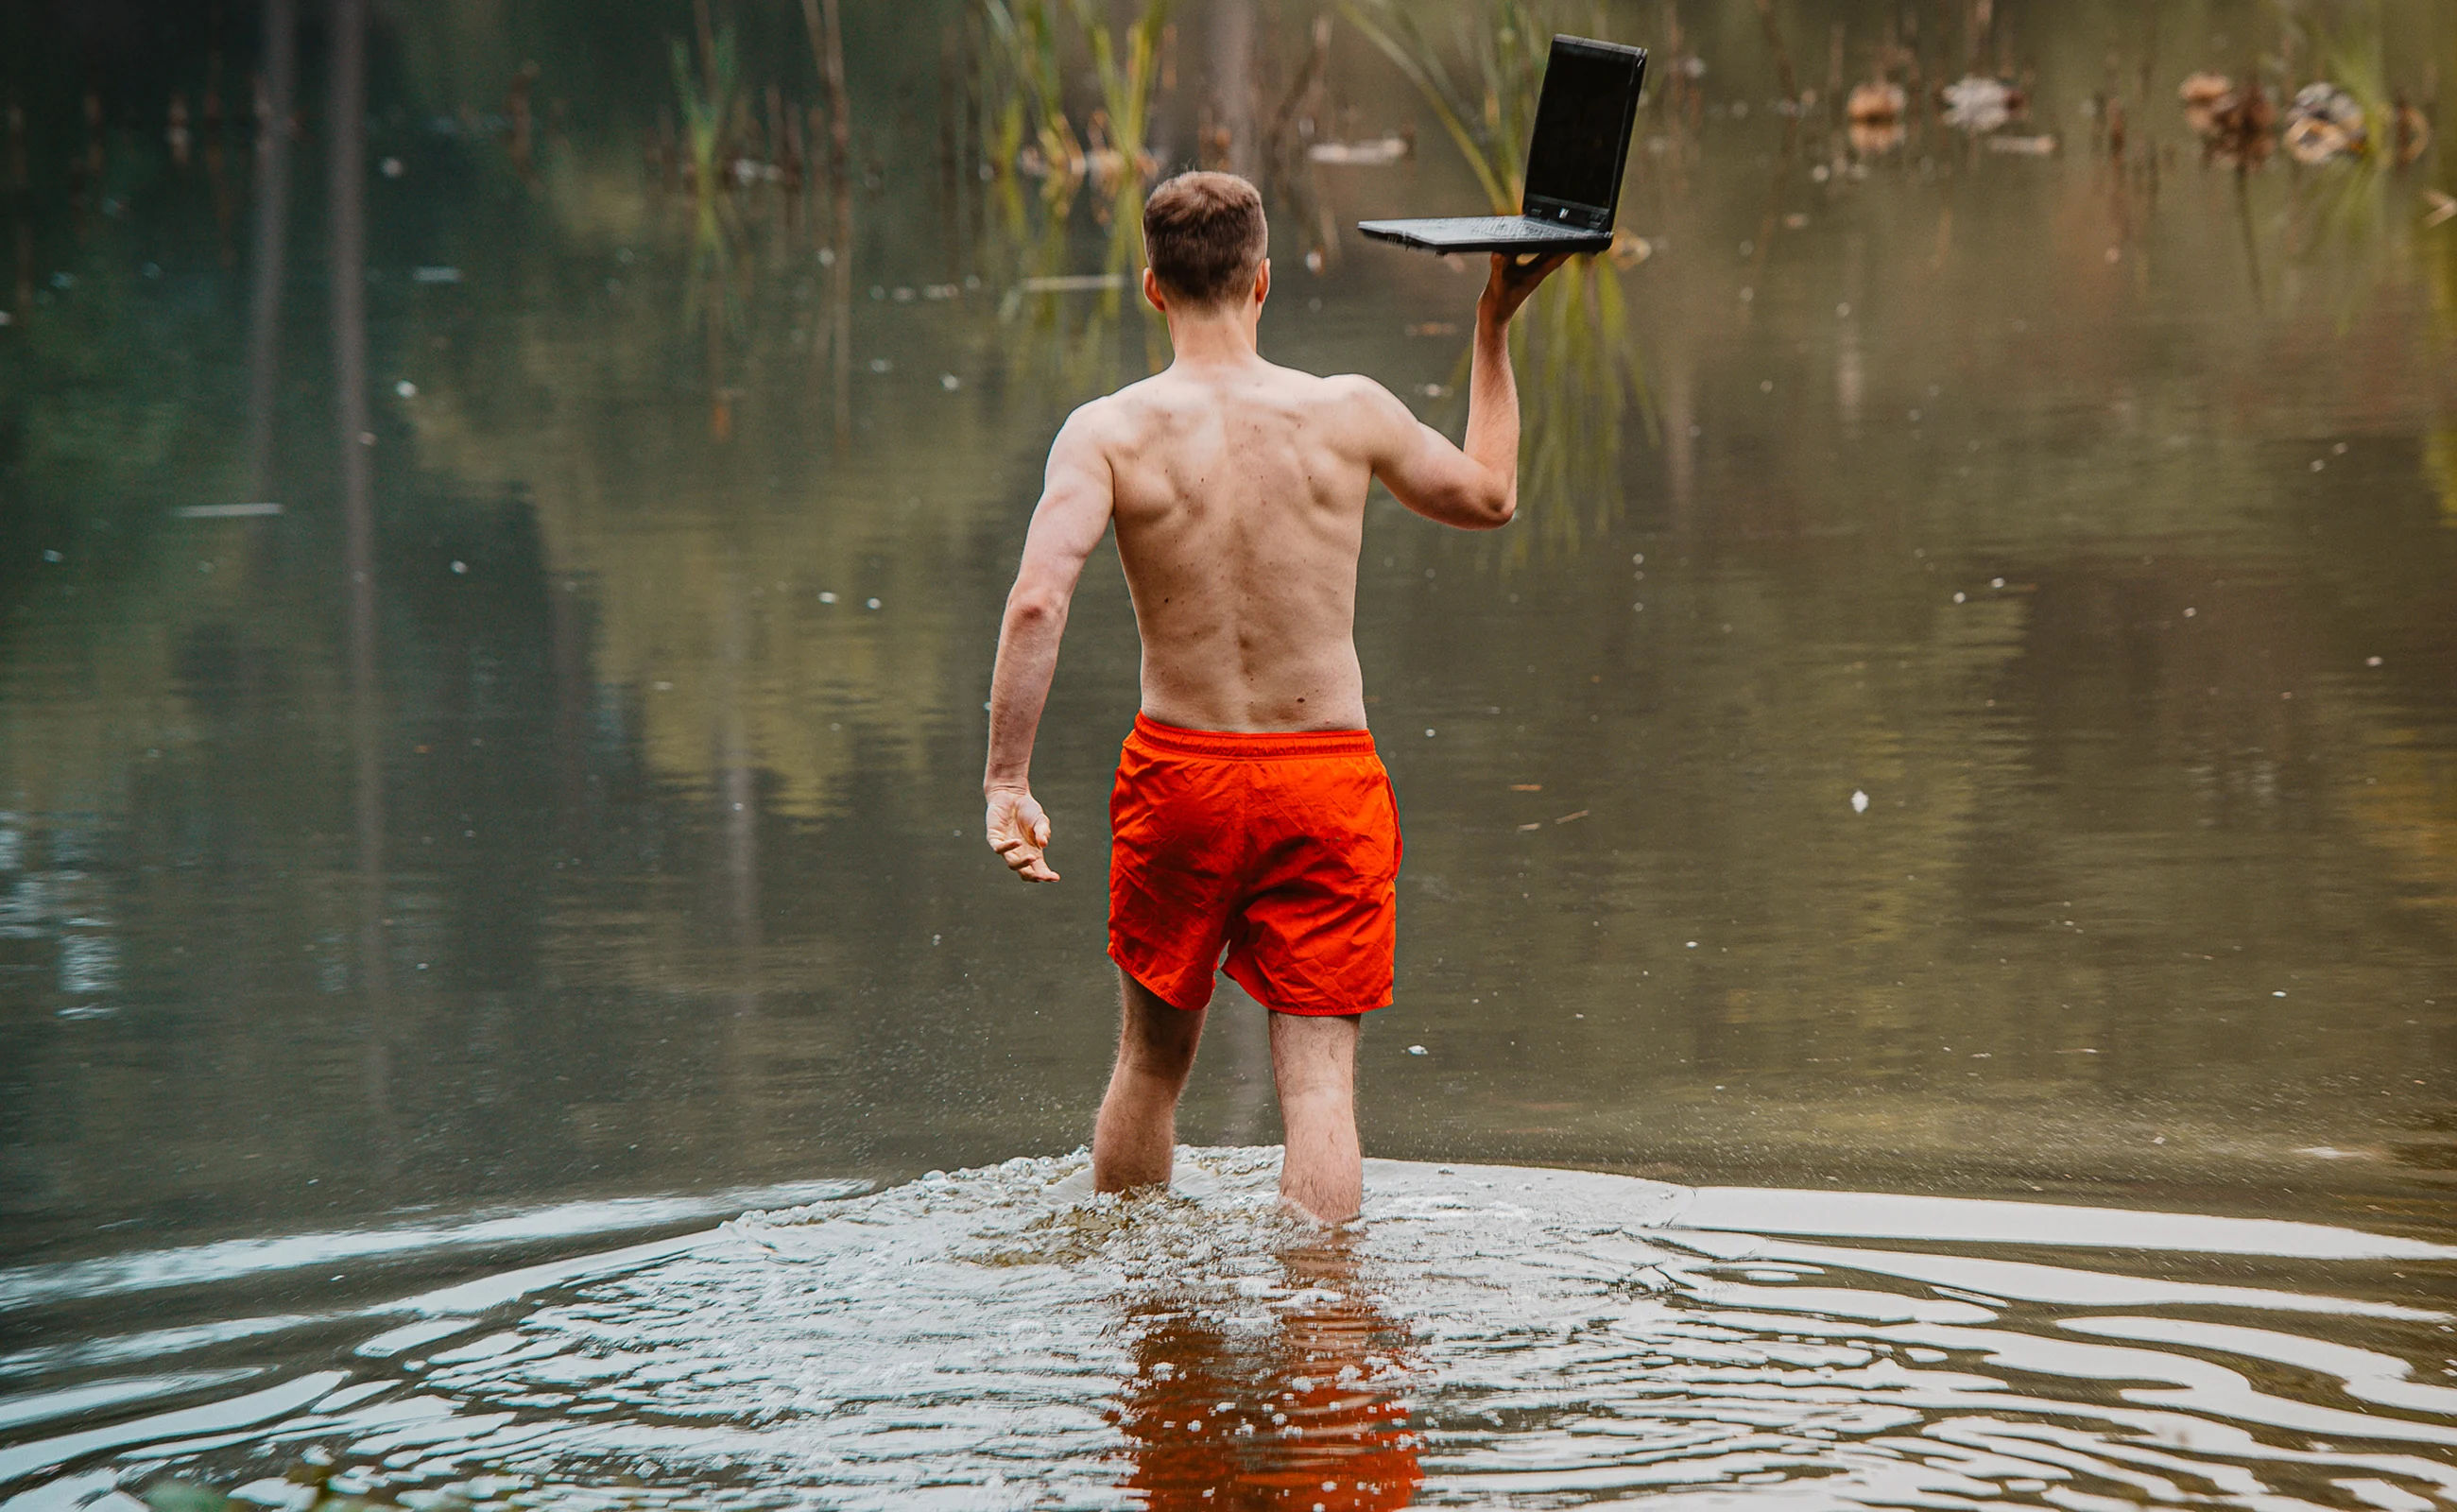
1512,280
1019,831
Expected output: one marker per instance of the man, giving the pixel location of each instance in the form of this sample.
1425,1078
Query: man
1250,812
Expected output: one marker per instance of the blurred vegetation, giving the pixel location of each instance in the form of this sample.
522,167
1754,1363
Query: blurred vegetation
1581,369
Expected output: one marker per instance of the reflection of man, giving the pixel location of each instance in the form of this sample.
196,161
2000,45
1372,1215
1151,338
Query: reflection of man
1306,1414
1250,813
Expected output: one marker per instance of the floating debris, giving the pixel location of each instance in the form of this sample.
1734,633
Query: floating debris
2044,146
1628,249
435,274
2412,132
2233,121
1859,802
1978,104
1379,153
1074,282
2324,123
2443,207
1881,103
1875,113
2204,96
225,511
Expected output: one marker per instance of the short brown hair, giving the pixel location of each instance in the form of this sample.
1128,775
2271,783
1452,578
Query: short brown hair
1205,234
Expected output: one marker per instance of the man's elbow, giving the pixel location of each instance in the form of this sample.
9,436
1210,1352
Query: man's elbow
1495,506
1031,607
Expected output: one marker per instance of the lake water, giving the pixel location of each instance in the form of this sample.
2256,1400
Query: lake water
491,661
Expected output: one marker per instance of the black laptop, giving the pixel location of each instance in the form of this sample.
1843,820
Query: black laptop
1574,162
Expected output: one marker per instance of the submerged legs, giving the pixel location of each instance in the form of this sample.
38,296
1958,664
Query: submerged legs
1137,1132
1313,1061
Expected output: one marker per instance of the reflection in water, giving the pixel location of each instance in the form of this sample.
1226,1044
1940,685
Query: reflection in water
1306,1412
346,194
272,237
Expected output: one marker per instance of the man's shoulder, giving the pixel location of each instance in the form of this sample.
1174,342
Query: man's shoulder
1325,386
1341,398
1096,416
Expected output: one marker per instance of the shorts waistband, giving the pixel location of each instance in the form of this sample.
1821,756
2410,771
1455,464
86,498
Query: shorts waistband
1231,745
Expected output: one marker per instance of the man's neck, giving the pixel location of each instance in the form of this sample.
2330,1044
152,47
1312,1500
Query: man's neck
1212,339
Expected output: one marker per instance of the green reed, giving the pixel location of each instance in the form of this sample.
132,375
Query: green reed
1102,142
705,94
1580,369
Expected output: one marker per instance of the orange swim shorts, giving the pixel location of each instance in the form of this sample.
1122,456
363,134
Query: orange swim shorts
1281,849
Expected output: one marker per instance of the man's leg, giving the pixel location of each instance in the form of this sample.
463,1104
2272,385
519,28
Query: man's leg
1314,1061
1137,1134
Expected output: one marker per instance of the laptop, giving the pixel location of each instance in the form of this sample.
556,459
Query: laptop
1574,162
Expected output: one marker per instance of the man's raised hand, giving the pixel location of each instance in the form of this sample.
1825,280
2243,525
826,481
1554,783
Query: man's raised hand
1019,831
1512,280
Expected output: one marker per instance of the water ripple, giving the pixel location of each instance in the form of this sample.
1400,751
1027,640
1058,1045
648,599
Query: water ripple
1492,1336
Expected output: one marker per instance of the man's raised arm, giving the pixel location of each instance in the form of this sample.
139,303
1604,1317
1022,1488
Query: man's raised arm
1066,524
1475,488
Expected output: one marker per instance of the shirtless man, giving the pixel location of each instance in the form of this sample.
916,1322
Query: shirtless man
1250,812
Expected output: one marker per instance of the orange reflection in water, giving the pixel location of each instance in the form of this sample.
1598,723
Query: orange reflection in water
1305,1412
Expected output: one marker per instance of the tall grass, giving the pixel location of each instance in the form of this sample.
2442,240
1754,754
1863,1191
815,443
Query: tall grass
1579,365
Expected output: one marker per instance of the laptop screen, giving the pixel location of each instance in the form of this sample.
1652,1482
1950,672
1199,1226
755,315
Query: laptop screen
1576,153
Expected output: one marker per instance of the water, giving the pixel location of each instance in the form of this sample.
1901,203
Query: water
1965,712
1494,1334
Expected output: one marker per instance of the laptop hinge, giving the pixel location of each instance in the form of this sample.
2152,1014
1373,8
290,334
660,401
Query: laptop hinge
1561,213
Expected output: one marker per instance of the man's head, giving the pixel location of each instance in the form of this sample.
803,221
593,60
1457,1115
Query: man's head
1205,237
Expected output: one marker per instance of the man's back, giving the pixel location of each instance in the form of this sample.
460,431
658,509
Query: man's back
1238,495
1253,829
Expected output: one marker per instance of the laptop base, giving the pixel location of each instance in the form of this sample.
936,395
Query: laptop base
1486,234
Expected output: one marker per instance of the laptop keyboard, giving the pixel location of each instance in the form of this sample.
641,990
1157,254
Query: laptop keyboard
1509,228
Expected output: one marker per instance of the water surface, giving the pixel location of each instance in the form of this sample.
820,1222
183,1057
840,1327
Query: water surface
1490,1335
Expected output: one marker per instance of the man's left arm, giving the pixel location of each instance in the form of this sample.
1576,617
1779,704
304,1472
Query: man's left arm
1073,513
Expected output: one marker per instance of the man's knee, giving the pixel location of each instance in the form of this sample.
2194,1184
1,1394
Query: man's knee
1314,1059
1155,1039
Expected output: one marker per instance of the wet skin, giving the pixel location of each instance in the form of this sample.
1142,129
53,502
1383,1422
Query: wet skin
1237,490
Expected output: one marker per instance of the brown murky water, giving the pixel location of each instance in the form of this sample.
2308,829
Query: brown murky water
1966,711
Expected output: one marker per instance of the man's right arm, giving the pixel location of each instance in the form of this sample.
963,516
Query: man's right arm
1073,513
1475,488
